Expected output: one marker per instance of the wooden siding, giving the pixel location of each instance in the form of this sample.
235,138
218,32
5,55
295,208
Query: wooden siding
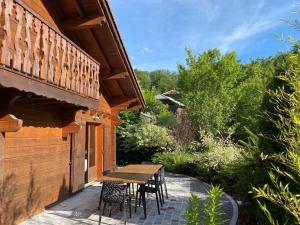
36,161
36,158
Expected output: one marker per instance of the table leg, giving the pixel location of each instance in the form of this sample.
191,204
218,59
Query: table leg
143,199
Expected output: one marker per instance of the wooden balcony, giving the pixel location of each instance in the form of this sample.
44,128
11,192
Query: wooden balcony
32,49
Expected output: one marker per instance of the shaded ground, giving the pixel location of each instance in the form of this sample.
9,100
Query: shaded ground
82,207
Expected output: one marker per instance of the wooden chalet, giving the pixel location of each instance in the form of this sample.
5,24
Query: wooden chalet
64,77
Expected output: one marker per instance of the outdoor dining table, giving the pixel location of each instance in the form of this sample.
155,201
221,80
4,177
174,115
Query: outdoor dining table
134,174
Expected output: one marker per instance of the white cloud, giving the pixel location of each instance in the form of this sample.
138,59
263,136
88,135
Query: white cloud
148,50
145,50
258,23
243,32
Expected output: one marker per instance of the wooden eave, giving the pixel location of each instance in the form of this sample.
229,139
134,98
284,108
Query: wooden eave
96,32
110,19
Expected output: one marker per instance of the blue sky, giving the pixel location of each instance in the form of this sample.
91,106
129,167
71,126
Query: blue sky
156,32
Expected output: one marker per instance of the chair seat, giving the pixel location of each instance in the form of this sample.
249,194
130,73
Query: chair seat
113,199
150,189
152,182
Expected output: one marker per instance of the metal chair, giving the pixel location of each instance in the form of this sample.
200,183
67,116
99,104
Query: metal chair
161,181
114,192
149,189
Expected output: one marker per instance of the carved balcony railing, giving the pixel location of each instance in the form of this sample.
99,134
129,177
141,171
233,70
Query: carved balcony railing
31,47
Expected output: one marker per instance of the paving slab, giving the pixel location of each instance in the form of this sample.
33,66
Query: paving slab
82,208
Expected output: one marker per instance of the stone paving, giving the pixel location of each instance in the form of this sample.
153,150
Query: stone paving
82,207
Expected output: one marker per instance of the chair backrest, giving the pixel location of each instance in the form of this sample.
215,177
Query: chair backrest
162,173
113,191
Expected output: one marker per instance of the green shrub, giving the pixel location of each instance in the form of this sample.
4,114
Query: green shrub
139,142
151,136
219,156
165,119
211,213
194,147
177,161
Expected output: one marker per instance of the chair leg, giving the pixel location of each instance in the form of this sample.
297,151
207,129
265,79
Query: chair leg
157,203
104,207
142,193
162,193
129,205
101,214
129,189
100,199
140,199
159,195
124,204
166,188
110,209
136,199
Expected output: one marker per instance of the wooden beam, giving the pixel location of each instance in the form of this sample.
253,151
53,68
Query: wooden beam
9,123
72,127
90,116
115,76
121,102
97,53
81,24
135,107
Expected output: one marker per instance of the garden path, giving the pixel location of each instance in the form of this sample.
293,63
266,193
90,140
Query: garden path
82,207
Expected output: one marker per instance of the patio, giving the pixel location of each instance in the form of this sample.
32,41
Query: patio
82,207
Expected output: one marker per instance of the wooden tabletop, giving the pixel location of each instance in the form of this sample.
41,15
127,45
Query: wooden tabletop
133,173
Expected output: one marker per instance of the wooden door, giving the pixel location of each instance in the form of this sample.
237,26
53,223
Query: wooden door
78,160
91,152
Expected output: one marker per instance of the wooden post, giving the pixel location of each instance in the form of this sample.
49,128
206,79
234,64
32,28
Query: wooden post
2,145
113,146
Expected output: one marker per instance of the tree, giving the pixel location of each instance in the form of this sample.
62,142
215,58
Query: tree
258,76
209,84
144,79
158,80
